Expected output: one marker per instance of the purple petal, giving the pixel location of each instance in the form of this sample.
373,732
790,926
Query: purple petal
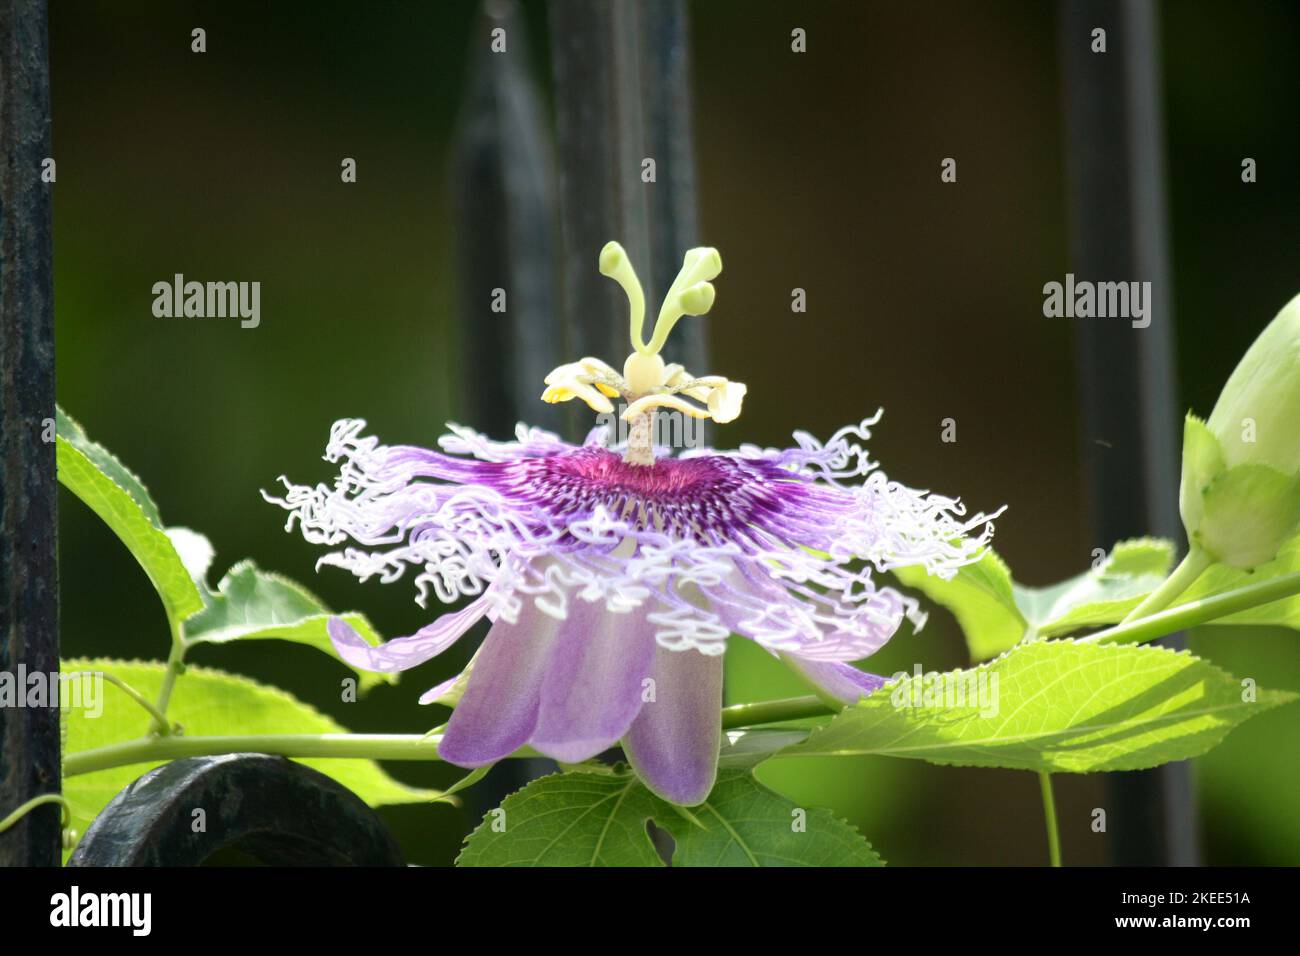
594,689
673,743
431,695
841,682
402,653
498,712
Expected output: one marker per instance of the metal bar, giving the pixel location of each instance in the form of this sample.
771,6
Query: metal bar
1114,139
29,636
622,93
504,197
273,809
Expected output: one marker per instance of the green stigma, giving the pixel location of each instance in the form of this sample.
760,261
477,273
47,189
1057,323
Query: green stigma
691,293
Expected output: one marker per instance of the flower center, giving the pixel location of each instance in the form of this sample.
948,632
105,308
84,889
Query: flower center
647,384
680,496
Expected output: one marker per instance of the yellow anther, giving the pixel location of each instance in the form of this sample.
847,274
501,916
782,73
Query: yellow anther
647,383
574,381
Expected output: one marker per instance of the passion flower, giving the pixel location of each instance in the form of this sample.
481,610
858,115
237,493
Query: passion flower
613,574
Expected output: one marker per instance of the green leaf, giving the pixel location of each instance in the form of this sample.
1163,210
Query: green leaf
67,428
586,819
471,778
745,824
204,702
1103,595
1056,706
568,819
995,613
134,520
981,598
746,749
250,604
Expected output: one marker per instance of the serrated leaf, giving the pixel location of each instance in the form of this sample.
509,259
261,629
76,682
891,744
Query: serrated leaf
1056,706
995,613
69,429
1103,595
980,597
745,824
250,604
568,819
585,819
135,525
204,701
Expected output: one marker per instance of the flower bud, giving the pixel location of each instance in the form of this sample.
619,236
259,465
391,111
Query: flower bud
1240,494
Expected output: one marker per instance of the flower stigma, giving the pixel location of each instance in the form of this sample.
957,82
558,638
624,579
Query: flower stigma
647,383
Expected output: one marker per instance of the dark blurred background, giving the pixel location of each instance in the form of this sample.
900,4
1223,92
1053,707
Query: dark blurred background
818,171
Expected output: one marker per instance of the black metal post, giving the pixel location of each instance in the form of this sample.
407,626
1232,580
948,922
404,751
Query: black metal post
503,184
622,96
1131,431
29,636
506,224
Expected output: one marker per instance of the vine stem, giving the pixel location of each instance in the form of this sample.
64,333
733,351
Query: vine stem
1049,814
175,667
160,719
775,711
65,810
175,747
1192,613
365,746
1189,569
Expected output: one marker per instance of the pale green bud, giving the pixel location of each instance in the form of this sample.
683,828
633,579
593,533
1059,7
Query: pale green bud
1257,417
1240,493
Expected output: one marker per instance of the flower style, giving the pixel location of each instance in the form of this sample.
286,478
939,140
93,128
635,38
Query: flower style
614,573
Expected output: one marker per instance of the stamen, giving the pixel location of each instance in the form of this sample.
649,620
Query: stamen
647,383
575,381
